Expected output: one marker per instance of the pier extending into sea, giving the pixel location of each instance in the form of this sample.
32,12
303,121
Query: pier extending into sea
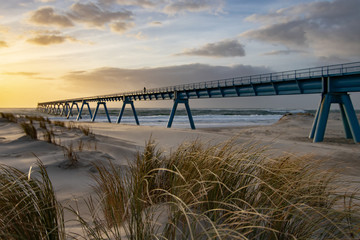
333,82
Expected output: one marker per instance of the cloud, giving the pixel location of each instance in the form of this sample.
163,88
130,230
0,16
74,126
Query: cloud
225,48
27,74
182,6
121,80
91,14
3,29
290,34
121,27
3,44
50,39
282,52
47,16
45,1
30,75
140,3
155,23
138,36
94,16
328,28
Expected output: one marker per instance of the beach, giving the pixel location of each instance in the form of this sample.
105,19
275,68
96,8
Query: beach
119,143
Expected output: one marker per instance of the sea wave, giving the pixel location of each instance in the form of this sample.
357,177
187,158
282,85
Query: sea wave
203,118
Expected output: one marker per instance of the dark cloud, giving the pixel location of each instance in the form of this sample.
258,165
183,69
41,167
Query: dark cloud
94,16
225,48
3,44
49,39
329,28
47,16
120,80
290,34
181,6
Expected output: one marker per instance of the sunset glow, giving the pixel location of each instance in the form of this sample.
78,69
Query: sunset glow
52,49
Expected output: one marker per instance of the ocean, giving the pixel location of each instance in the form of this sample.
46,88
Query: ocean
203,118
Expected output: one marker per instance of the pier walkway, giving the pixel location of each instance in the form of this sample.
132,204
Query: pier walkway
333,82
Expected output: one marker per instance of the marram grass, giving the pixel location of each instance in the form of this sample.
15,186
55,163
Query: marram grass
223,191
198,191
28,207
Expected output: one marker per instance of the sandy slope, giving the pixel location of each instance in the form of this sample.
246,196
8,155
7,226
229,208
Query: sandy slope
120,143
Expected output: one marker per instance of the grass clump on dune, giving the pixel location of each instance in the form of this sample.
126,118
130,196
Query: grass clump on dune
59,123
220,192
9,116
28,208
29,130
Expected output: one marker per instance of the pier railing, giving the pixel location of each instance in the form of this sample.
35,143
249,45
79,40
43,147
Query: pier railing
306,73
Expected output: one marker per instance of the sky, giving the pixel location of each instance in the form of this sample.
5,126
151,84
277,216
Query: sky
59,49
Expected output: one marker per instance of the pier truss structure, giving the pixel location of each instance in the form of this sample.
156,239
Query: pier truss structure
333,83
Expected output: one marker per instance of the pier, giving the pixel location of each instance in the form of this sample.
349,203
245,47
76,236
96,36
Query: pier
333,83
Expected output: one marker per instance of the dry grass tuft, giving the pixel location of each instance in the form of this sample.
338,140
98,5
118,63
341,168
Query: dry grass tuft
29,130
49,136
71,156
28,208
9,116
220,192
59,123
36,118
42,125
85,130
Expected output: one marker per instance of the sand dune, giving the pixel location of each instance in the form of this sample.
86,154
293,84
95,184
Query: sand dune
120,143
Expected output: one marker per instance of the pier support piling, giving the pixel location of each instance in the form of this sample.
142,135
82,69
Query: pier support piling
127,101
70,110
187,107
82,106
350,122
97,108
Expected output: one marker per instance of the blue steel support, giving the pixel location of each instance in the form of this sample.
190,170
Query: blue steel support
322,118
69,113
350,122
345,122
123,109
57,109
351,117
82,106
313,128
172,115
65,109
96,110
70,110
